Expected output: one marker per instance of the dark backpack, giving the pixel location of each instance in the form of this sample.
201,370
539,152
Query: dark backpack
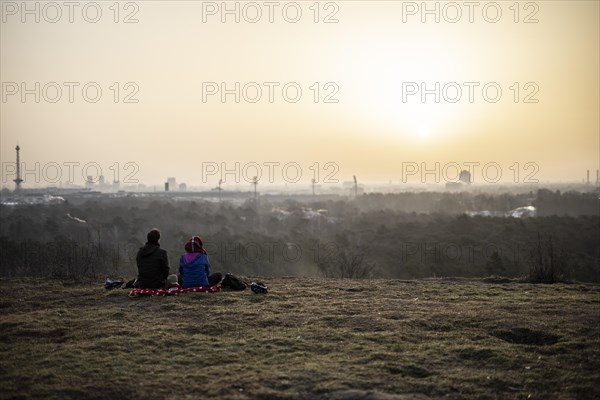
232,282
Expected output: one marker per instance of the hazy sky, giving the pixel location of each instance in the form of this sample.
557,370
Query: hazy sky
374,62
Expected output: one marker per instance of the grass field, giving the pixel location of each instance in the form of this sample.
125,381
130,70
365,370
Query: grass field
307,338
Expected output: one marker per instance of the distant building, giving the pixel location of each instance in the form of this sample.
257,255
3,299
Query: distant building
465,177
182,187
18,179
89,183
454,185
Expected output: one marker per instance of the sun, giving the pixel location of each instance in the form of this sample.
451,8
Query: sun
376,82
424,131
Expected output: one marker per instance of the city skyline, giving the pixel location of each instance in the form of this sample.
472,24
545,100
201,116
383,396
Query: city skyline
50,175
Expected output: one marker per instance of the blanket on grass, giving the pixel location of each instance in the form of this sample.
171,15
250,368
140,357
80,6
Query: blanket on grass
173,291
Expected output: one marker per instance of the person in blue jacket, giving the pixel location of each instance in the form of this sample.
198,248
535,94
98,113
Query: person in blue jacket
194,267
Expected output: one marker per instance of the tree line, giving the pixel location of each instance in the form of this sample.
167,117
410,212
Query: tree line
374,235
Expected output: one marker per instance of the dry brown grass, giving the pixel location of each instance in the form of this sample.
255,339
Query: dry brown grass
307,338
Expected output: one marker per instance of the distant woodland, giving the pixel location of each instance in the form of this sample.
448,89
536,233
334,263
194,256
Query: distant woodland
407,235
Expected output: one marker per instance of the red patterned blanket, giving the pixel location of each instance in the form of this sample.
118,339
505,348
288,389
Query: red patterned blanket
173,291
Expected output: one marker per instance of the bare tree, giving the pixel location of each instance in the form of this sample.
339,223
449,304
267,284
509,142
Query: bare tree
547,263
347,263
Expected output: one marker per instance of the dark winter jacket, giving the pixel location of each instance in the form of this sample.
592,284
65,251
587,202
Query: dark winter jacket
194,269
153,266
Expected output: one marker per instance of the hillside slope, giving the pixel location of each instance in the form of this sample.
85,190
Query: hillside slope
307,338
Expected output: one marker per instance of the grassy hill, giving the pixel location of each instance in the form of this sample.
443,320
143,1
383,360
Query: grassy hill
307,338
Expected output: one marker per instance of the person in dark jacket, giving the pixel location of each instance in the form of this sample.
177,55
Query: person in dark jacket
194,267
152,263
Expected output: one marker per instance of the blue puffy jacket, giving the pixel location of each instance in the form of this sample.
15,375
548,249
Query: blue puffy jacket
194,269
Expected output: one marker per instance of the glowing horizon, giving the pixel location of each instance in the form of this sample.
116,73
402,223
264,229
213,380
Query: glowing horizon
361,78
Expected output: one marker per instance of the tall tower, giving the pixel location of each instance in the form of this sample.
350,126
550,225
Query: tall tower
18,180
588,177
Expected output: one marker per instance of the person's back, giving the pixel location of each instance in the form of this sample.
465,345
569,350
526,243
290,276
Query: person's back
152,263
194,267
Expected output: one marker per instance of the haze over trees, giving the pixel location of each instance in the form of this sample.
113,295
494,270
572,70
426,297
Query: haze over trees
407,235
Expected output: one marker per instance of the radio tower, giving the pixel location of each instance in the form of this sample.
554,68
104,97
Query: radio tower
18,180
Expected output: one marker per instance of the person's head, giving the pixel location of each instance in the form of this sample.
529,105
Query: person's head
194,245
153,236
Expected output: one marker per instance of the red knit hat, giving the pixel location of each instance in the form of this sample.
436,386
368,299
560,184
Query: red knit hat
194,245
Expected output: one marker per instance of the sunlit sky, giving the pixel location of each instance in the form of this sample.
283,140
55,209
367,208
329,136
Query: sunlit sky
374,61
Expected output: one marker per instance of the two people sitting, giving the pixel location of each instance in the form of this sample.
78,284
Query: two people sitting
153,265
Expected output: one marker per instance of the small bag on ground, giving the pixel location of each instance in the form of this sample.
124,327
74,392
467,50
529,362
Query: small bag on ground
259,288
232,282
